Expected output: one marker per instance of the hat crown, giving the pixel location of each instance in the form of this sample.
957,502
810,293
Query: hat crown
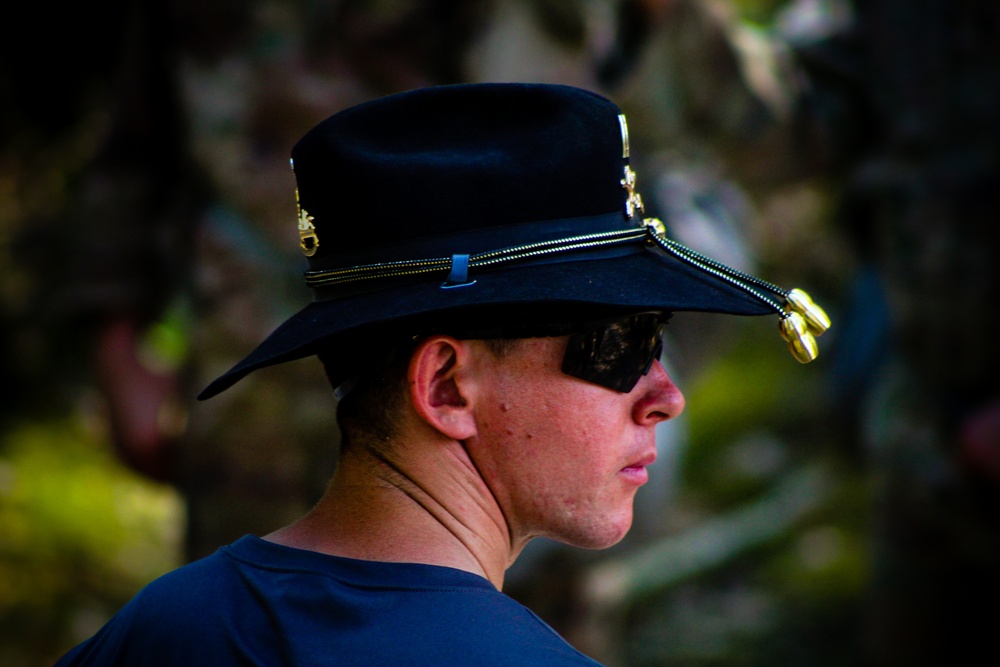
447,159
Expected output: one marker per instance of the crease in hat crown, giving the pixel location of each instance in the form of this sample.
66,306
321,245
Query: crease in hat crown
426,205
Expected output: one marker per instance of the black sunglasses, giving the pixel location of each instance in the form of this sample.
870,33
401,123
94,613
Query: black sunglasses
615,353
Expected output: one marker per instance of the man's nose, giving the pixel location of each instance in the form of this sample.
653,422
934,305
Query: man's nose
659,398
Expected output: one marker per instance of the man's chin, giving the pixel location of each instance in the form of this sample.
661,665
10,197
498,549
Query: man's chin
601,537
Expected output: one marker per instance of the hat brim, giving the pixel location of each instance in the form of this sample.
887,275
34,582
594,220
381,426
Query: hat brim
648,280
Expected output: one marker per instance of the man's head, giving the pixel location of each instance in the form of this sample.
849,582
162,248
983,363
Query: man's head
484,277
560,427
561,456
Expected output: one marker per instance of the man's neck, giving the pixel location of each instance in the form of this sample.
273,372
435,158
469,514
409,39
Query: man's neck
436,511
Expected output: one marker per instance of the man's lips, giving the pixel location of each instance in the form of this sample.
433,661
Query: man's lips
636,471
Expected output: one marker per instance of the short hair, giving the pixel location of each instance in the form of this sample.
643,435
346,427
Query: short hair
367,415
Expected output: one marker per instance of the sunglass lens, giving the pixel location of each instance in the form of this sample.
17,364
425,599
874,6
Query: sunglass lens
617,354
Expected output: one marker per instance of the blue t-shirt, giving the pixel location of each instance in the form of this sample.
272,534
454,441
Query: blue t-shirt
258,603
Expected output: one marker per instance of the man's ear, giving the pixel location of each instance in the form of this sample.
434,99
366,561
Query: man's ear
440,386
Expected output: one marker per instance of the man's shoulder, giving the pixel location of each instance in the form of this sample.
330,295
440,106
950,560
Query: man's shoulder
184,603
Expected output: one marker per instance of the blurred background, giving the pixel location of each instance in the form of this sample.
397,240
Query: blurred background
840,513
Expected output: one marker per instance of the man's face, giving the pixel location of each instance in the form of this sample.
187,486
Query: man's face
565,457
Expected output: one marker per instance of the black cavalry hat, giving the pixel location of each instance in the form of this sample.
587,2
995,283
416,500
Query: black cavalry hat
471,206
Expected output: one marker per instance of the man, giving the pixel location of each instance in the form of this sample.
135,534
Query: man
488,307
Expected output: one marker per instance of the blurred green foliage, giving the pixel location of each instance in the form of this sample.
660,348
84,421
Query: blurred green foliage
81,534
753,383
757,11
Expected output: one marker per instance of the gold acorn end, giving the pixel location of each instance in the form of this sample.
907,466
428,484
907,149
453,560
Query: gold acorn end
815,317
801,342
